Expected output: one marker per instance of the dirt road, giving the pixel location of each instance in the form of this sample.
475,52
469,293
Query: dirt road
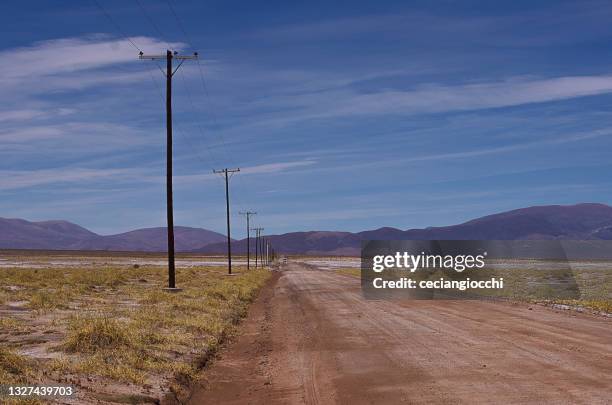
312,339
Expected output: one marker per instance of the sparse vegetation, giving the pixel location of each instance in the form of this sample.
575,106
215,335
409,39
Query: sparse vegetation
46,300
16,369
90,335
349,271
115,324
13,367
584,287
593,286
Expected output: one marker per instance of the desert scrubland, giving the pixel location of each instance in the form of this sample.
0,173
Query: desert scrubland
528,281
103,324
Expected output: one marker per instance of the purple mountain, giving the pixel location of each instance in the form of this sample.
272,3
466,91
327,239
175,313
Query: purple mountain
573,222
63,235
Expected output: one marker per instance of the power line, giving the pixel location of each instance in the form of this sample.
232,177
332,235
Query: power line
157,85
178,21
212,111
122,34
116,25
152,22
179,129
207,94
159,32
200,71
218,131
193,111
199,126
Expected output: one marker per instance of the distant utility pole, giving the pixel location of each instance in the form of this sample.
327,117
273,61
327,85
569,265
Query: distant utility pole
256,241
268,252
248,214
257,245
261,248
226,172
169,56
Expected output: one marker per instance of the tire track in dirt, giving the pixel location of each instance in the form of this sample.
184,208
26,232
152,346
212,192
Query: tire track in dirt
311,338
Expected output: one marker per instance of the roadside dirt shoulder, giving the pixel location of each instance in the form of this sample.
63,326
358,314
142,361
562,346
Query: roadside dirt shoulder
239,371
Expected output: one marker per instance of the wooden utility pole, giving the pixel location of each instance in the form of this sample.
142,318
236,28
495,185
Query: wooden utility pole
169,56
257,246
248,214
256,242
261,247
226,173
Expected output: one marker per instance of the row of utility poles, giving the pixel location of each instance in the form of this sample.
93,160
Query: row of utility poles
260,251
261,244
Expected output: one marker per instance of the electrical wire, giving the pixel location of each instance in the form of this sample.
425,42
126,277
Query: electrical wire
152,22
116,25
208,98
180,132
156,84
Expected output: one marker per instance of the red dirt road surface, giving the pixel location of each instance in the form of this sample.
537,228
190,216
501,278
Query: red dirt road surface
311,338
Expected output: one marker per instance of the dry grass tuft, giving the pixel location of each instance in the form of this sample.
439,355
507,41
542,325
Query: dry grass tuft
13,367
46,300
349,271
90,335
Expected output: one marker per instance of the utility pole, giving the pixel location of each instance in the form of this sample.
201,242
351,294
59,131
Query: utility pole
256,242
261,248
268,252
169,56
257,246
226,172
248,217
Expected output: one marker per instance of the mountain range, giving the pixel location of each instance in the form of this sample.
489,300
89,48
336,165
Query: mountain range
565,222
570,222
64,235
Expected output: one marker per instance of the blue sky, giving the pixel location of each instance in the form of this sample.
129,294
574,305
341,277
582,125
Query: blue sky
342,115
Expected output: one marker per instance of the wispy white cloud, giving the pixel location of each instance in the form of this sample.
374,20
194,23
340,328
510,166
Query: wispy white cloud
276,167
267,168
31,114
69,65
86,137
70,55
337,28
18,179
498,29
560,139
35,119
505,93
433,98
